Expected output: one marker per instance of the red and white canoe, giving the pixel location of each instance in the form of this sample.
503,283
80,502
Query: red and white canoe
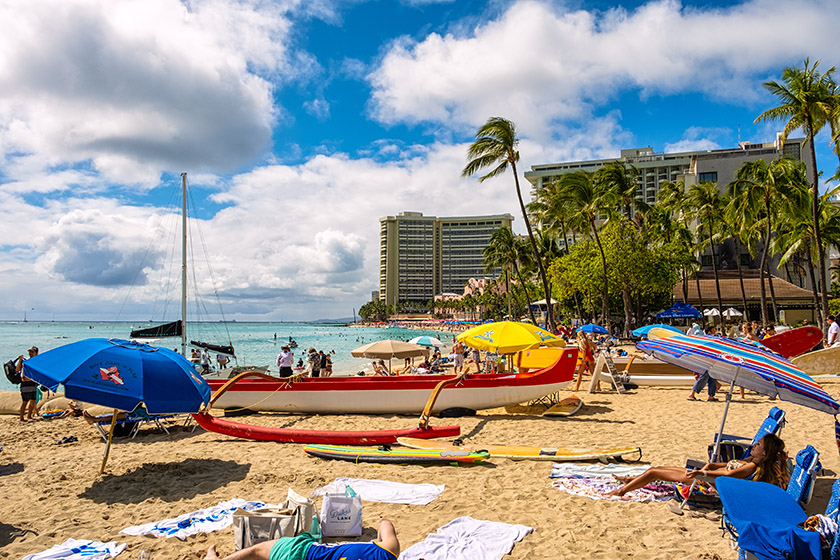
404,394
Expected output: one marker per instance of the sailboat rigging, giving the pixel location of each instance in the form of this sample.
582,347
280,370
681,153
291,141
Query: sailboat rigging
179,327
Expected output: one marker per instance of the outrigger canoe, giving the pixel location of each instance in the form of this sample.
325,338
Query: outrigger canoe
404,394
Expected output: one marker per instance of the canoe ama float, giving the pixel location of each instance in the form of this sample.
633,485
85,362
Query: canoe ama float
290,435
523,453
397,456
404,394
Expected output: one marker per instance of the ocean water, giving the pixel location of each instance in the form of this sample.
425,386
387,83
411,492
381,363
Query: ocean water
254,342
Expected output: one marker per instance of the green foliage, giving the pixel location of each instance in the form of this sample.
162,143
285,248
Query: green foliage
649,272
834,307
374,311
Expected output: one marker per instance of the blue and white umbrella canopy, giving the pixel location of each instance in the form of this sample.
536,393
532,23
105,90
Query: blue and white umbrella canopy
429,341
592,328
121,374
643,331
746,366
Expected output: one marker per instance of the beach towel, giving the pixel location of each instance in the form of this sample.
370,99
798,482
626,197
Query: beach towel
597,488
372,490
559,470
466,538
76,549
200,521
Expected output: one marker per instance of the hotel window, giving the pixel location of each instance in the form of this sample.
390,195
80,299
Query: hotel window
708,177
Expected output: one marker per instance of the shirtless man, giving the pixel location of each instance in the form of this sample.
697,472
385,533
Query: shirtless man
303,547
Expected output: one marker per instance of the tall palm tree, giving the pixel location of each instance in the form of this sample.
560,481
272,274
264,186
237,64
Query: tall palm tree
504,251
807,101
739,220
619,179
495,147
588,200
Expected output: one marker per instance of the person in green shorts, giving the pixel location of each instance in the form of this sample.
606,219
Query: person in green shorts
305,547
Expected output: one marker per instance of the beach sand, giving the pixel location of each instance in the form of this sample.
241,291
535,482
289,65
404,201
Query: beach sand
54,490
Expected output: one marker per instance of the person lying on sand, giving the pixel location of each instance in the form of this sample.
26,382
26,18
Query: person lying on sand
303,547
767,463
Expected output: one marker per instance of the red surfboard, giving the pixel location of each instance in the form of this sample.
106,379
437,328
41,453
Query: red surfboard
795,341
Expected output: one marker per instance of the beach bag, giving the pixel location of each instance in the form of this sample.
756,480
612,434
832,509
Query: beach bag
254,527
341,514
11,372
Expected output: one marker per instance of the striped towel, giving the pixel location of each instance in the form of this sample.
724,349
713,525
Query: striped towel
200,521
76,549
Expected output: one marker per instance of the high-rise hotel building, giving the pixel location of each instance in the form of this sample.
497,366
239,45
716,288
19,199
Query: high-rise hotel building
423,256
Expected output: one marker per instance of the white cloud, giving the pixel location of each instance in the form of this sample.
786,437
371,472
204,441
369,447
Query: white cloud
536,64
698,138
137,87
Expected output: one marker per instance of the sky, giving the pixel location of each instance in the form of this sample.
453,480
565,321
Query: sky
300,123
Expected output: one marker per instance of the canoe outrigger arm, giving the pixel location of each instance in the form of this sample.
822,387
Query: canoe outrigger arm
427,410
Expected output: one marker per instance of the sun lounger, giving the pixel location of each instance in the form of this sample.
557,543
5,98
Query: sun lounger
805,468
735,447
131,424
765,521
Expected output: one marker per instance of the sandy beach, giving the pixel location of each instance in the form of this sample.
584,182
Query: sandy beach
54,491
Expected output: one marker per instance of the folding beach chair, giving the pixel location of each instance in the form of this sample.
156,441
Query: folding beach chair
765,521
735,447
806,466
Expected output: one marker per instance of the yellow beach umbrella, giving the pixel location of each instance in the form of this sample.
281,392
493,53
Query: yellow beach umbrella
508,337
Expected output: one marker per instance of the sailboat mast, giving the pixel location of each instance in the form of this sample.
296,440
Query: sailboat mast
184,264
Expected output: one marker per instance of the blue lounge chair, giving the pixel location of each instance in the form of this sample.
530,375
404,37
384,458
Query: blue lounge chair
765,521
806,466
832,510
131,424
735,447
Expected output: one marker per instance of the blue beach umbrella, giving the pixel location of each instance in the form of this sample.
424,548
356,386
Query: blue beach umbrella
679,310
121,374
592,328
643,331
426,341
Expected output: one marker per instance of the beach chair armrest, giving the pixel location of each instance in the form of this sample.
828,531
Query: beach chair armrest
730,437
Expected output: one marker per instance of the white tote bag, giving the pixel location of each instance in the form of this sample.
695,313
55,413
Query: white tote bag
341,514
253,527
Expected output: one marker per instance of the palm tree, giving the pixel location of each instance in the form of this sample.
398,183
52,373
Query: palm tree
587,198
619,179
495,146
706,206
808,101
739,220
503,252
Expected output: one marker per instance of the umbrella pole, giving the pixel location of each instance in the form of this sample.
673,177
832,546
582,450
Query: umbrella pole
108,445
718,436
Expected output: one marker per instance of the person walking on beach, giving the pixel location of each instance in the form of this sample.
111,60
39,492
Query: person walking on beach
326,371
457,356
305,546
284,361
586,353
833,332
323,364
705,379
28,389
314,360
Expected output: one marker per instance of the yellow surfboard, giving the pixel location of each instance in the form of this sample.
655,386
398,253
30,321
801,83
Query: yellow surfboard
526,453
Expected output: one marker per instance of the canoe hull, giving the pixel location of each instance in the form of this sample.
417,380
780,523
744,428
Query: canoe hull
406,394
291,435
651,372
821,362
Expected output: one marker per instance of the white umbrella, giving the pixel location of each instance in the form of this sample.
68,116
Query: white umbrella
711,312
732,312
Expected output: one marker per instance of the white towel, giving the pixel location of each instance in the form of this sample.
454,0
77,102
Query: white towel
200,521
384,490
589,469
76,549
466,538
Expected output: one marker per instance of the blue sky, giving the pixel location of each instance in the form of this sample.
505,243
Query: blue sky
301,123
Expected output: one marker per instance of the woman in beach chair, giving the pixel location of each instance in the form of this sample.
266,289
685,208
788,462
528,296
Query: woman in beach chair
305,546
767,462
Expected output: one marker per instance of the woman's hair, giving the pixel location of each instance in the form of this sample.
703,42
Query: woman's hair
581,336
773,465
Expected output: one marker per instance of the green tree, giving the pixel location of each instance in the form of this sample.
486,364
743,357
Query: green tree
495,147
706,206
618,181
807,100
375,310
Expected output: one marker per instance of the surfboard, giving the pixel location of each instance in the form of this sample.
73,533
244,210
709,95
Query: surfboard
399,456
566,407
825,361
529,453
794,342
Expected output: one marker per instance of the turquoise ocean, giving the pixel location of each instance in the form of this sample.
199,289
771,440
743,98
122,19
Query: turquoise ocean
254,343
